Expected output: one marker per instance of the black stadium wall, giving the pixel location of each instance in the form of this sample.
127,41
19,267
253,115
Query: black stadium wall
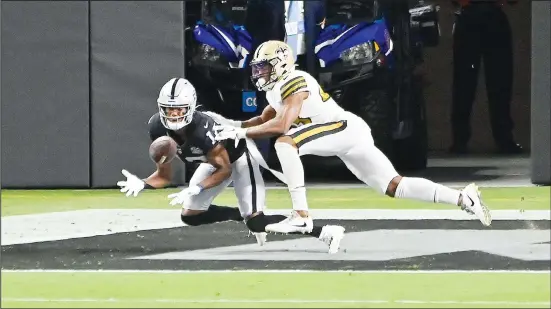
79,81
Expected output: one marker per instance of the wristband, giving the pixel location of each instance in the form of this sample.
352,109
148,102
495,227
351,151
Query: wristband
148,186
237,123
200,187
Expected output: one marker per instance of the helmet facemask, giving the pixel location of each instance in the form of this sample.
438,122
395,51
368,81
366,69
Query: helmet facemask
263,74
175,116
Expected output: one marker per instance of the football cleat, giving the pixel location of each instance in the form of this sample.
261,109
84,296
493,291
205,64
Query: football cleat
292,224
260,238
472,203
332,236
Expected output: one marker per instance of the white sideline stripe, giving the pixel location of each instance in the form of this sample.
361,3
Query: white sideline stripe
417,214
273,301
228,271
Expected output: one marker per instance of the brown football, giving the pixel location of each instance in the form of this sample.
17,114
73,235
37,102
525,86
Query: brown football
163,150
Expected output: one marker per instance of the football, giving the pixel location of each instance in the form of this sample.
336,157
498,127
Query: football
163,150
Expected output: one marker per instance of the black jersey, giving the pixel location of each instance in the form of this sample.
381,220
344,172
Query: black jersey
196,139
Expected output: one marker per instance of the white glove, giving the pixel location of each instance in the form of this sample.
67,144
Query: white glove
225,132
224,121
132,185
184,195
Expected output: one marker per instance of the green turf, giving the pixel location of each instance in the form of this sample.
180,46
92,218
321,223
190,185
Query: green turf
142,289
17,202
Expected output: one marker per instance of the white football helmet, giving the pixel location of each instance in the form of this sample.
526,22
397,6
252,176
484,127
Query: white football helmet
272,61
177,101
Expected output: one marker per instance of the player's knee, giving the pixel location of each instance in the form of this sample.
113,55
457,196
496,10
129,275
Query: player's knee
257,223
285,139
191,217
191,220
393,185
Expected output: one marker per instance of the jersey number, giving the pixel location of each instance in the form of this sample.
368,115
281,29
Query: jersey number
197,159
324,95
211,136
301,121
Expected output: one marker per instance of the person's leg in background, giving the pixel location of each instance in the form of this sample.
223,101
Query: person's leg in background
498,67
264,23
466,63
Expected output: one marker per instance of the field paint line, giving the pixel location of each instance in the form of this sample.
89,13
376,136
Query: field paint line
284,271
452,184
157,215
273,301
53,226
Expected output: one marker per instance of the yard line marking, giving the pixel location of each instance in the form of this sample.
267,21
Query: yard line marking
274,301
32,228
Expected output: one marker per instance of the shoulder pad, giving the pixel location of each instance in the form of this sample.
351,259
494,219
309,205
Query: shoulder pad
156,128
293,84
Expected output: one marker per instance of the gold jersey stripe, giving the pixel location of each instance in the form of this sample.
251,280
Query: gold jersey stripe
294,89
291,83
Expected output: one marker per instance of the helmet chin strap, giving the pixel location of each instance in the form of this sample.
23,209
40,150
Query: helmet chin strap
264,84
184,120
175,125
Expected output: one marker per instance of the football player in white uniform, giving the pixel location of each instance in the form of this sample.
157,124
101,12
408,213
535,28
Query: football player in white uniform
323,128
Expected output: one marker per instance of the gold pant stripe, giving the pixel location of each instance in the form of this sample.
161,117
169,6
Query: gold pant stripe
318,130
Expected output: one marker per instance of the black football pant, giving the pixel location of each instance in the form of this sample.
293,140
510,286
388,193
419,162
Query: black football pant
482,32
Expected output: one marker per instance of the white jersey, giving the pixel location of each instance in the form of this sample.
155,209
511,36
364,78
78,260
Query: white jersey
319,107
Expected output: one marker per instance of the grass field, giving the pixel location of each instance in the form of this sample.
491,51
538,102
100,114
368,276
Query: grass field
18,202
270,289
263,290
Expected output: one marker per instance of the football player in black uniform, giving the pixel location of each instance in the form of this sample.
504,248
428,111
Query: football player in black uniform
221,163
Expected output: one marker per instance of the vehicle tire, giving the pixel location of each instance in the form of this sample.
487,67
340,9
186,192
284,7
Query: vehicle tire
410,153
375,106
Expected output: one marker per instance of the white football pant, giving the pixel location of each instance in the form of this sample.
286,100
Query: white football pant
350,139
247,182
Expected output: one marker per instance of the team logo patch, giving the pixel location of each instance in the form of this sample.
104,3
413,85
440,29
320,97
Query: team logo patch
196,150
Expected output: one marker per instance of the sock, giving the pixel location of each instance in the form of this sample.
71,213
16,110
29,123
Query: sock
293,170
258,224
426,190
212,215
270,219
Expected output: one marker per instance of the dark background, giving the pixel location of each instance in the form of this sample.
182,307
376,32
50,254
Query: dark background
80,80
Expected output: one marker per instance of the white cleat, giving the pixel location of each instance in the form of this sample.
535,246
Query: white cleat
292,224
332,236
472,202
260,238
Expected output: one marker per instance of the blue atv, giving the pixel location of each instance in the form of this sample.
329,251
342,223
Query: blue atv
363,53
365,56
217,53
218,45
